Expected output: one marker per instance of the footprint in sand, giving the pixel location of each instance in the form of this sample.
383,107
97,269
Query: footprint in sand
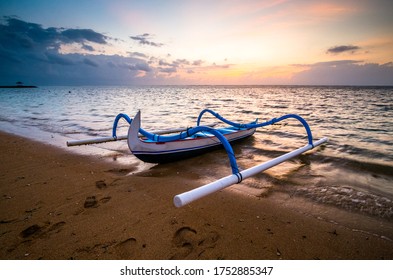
184,236
185,239
105,199
126,249
31,230
41,231
56,228
93,202
90,202
101,184
189,243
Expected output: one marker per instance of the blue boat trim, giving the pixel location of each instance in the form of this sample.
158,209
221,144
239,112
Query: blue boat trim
175,155
216,143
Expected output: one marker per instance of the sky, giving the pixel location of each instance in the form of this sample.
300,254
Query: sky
204,42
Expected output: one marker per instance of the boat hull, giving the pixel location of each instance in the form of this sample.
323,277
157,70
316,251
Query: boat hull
165,156
164,152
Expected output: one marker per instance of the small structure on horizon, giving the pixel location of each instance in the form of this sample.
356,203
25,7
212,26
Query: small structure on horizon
18,84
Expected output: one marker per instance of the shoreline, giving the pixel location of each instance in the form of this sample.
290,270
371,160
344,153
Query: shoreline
60,205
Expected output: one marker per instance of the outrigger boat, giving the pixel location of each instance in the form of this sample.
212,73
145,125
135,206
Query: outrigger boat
175,144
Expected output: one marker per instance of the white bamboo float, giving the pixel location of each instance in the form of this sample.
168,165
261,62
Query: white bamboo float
192,195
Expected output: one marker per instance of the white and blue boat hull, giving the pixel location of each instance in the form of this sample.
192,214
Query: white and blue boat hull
169,151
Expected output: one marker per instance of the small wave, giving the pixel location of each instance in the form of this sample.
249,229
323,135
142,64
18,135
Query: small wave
383,106
39,119
370,129
356,150
224,100
360,166
279,106
350,199
248,112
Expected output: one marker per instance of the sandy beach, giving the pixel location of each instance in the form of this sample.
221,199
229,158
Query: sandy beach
55,204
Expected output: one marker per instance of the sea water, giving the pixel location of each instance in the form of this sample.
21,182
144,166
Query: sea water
354,170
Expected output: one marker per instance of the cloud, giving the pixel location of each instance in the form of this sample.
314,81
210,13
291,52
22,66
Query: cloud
180,62
144,40
189,67
137,54
223,66
163,62
17,34
32,53
87,48
344,72
168,70
197,62
141,66
90,62
332,63
55,58
174,63
172,67
342,48
83,35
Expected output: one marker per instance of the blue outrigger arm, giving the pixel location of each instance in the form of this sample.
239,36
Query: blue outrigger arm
257,125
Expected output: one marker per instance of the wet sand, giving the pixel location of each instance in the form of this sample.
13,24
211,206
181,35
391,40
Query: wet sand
58,205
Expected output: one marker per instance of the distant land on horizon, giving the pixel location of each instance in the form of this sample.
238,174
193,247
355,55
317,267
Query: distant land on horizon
18,86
